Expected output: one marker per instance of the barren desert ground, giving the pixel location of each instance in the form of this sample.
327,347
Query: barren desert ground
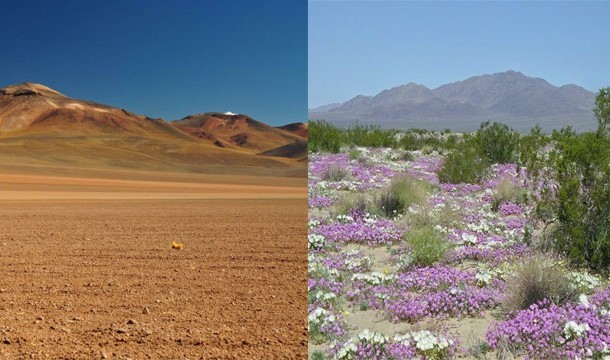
89,273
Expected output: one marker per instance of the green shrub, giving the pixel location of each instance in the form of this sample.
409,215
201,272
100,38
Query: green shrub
428,245
582,165
529,151
536,279
317,355
602,109
452,142
354,154
315,334
409,141
583,195
371,136
323,136
497,142
463,165
400,194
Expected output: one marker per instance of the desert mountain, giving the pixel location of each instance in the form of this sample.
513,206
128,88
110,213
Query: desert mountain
33,108
296,150
510,97
325,108
299,128
235,130
42,127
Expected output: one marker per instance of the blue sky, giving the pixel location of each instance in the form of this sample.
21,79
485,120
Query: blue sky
163,58
364,47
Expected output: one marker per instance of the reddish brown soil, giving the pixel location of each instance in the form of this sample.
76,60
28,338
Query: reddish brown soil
92,279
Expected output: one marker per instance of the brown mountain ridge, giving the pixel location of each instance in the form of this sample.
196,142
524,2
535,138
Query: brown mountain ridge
235,130
43,127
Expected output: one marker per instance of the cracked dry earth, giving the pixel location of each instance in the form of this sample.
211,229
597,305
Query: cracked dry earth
91,279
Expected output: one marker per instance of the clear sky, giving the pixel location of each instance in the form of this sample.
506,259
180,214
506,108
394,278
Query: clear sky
163,58
364,47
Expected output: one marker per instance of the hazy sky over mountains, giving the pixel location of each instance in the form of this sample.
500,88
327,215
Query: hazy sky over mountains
163,58
364,47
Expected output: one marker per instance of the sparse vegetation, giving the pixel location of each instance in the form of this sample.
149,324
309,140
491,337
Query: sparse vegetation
497,142
400,194
479,349
336,173
317,355
429,246
352,201
354,154
583,195
427,149
537,279
463,165
325,137
507,191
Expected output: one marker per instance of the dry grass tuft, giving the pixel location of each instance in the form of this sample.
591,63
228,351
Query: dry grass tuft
536,279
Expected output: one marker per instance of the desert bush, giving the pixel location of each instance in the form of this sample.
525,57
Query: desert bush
415,139
323,136
536,279
336,173
582,164
371,136
463,165
354,154
317,355
427,149
478,348
410,141
452,142
350,201
583,195
497,142
400,194
422,218
529,151
602,108
428,245
508,191
406,156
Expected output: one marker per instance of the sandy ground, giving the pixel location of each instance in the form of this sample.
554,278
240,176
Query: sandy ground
86,278
44,187
38,187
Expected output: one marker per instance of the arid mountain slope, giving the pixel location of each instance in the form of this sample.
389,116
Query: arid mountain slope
235,130
299,128
510,97
296,151
33,108
42,127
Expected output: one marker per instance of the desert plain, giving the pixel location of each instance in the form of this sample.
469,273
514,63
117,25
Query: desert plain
88,269
92,199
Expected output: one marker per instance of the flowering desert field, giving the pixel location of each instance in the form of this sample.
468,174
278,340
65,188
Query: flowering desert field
418,252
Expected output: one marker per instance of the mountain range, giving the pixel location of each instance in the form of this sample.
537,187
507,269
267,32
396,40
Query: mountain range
40,126
509,97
